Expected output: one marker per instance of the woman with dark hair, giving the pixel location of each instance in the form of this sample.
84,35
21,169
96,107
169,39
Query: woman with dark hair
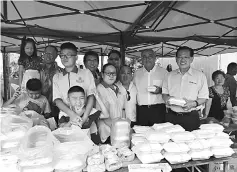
218,97
29,63
109,94
91,62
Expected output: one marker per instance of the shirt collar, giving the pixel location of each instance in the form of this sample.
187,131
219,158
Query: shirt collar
130,85
74,70
152,70
113,87
190,71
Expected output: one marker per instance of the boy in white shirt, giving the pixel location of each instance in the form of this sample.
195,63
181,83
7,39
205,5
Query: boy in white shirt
77,100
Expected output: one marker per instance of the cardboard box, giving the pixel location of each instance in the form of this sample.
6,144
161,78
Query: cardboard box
218,167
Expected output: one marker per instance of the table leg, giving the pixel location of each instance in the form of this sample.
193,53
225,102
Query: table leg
225,166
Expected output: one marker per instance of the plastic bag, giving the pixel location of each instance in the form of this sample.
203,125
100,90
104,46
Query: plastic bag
36,118
96,168
36,147
38,168
73,149
12,126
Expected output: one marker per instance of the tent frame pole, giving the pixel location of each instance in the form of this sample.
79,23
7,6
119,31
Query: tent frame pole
6,75
122,48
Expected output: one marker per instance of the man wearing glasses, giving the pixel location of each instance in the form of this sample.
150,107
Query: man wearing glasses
129,93
148,80
188,84
49,69
69,77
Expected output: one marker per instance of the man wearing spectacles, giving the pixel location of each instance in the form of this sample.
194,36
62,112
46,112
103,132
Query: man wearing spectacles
69,77
148,80
114,58
129,93
188,84
49,69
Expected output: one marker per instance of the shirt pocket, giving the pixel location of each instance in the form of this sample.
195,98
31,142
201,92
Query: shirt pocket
192,86
157,82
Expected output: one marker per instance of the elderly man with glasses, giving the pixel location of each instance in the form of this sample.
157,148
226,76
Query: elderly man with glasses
148,80
49,69
129,93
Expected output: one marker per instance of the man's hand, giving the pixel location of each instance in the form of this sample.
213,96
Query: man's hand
157,91
189,104
167,101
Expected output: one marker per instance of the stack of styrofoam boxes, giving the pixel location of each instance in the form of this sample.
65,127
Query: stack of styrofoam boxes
220,143
36,150
147,144
13,129
176,151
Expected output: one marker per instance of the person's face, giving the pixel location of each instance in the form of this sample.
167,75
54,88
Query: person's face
184,59
109,75
148,59
29,49
68,57
114,59
34,94
219,80
77,99
91,63
234,71
50,54
125,75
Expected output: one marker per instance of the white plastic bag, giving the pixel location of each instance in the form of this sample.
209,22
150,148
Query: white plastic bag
36,147
36,118
73,149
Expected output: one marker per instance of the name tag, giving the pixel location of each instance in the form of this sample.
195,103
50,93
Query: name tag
192,82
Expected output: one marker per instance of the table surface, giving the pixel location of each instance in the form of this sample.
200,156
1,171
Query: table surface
181,165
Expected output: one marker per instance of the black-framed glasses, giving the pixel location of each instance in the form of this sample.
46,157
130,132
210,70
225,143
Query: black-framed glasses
128,95
110,74
66,56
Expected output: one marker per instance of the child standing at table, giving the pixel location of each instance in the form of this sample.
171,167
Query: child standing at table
77,100
29,63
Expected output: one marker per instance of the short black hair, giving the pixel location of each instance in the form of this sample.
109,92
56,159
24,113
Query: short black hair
126,66
34,84
231,66
106,65
116,52
55,48
76,89
68,45
216,73
185,48
90,53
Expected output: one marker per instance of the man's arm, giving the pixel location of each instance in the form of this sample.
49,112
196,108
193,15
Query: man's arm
232,86
63,107
207,107
89,106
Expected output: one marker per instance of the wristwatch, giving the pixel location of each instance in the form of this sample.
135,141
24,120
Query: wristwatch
197,104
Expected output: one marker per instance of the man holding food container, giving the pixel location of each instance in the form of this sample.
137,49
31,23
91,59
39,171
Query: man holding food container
184,90
148,80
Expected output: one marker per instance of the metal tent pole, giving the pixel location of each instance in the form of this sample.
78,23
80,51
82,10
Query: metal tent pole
122,49
102,59
6,75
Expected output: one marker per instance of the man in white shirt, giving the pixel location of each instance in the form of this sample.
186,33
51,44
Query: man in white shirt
128,93
69,77
151,108
188,84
